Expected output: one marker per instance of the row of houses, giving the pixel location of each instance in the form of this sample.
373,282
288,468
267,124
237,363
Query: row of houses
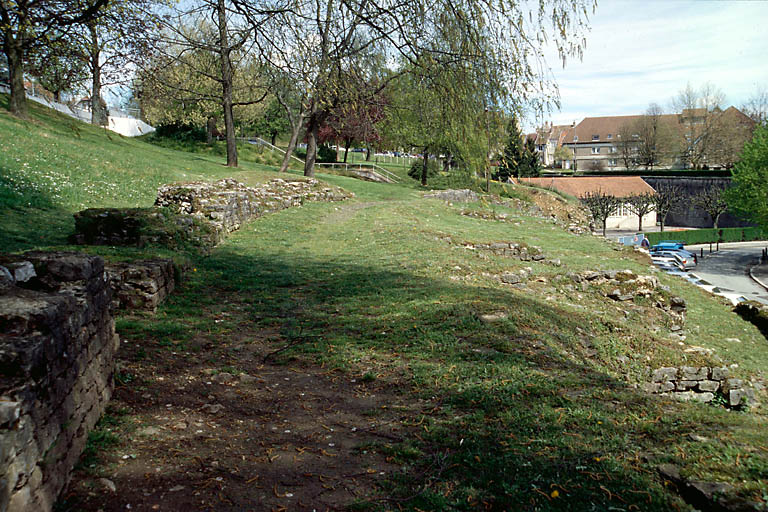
696,137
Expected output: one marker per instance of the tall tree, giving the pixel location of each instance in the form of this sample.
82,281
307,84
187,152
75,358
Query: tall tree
110,44
513,158
653,143
749,195
701,122
202,48
27,25
502,39
626,144
57,68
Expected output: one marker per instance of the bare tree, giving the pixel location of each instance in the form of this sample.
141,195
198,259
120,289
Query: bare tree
701,122
626,144
756,107
712,201
668,196
641,205
601,205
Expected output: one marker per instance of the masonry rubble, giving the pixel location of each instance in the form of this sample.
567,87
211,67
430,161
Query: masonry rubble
57,346
141,284
701,384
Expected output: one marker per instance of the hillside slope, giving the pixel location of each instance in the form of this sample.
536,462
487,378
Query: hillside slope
377,355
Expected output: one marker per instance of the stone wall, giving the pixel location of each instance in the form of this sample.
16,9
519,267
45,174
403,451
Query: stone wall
57,342
227,204
196,215
141,284
702,384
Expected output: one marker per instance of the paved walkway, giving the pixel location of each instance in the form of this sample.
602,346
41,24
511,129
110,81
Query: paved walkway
727,270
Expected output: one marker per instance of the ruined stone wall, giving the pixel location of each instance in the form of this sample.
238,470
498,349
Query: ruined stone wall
57,346
141,284
227,204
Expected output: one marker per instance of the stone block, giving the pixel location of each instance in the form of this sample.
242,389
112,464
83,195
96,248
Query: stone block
693,373
720,374
708,385
666,387
730,384
664,374
685,385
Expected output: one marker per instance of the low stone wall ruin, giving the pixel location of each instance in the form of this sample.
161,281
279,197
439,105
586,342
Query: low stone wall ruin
227,204
57,346
141,284
701,384
196,215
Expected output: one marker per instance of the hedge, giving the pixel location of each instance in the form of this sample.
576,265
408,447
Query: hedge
704,236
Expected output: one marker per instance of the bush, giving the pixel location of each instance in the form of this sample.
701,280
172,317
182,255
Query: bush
181,132
300,153
326,154
704,236
417,165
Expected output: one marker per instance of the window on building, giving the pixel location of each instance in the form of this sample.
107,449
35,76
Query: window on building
596,137
595,151
613,149
609,136
575,138
612,162
635,136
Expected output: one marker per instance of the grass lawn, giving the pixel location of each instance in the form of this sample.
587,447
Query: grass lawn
539,410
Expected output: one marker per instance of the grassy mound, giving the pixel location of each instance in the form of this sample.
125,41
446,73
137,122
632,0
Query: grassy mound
524,396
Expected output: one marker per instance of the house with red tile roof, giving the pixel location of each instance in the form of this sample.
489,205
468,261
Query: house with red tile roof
618,186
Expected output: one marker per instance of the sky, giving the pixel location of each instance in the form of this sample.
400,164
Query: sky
642,52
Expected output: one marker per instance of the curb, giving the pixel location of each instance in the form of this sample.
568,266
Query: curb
755,279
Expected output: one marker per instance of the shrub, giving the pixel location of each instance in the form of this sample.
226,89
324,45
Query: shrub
326,154
417,165
180,132
703,236
300,153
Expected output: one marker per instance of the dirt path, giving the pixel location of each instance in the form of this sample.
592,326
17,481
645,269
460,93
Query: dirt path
279,437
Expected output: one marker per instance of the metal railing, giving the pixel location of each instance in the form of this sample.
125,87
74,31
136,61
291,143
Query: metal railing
262,142
372,168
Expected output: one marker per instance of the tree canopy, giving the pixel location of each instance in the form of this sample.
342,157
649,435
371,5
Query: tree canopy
749,195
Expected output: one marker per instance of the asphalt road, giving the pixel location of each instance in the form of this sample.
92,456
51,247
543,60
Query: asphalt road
727,268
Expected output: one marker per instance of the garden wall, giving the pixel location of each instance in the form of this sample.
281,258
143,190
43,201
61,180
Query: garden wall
57,346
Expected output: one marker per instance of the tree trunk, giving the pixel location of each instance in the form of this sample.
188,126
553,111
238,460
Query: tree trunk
347,144
57,96
15,54
424,167
312,129
605,221
99,113
210,127
226,85
274,138
368,153
639,222
295,130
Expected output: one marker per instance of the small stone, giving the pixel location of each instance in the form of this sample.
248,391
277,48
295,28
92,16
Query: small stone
591,276
733,340
576,278
22,271
213,408
246,379
149,431
697,438
652,387
511,278
6,278
614,294
493,317
177,488
678,304
108,484
181,425
223,378
675,328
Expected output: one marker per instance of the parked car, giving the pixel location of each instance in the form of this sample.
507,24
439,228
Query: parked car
669,244
669,261
677,247
685,261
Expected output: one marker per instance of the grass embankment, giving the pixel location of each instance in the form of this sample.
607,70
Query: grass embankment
537,410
